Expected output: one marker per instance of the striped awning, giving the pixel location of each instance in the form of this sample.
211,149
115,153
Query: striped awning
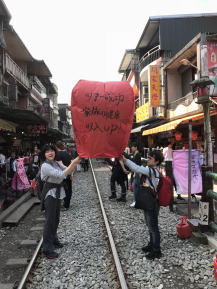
7,125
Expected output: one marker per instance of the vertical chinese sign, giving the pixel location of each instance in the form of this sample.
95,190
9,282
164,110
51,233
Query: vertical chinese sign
46,108
102,116
154,85
212,65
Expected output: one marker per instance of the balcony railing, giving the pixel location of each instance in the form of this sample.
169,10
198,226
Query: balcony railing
13,69
149,57
186,101
37,108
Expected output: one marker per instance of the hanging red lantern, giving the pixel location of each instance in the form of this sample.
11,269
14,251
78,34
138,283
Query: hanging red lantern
194,135
178,135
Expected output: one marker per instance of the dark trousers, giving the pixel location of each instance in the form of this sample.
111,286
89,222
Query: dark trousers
169,171
113,187
52,218
151,218
68,191
86,166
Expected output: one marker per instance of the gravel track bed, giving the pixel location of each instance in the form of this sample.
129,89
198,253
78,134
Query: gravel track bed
86,260
10,245
184,264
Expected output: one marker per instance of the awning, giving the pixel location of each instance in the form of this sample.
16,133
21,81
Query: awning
172,124
7,125
139,128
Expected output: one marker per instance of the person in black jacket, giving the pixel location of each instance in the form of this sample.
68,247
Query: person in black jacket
119,175
64,156
136,158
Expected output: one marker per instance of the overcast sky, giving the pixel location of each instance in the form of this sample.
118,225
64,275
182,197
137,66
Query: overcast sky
86,39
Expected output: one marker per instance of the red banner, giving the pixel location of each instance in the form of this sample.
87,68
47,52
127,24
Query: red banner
102,116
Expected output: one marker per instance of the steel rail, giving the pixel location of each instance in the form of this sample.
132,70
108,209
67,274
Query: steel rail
111,240
30,265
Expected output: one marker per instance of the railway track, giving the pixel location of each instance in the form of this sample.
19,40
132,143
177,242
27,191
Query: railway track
103,250
120,273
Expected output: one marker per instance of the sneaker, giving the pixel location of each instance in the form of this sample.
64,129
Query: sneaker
180,198
50,254
147,249
112,197
132,205
58,245
121,199
152,255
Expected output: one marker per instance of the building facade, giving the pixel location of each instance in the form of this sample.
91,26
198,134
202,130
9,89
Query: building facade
29,112
162,82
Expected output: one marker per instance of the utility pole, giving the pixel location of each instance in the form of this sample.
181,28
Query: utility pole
206,105
203,98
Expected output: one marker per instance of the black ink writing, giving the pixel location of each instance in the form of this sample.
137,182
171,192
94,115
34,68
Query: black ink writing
108,97
110,114
110,128
195,168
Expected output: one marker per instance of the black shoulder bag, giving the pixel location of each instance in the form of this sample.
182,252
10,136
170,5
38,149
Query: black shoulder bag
146,196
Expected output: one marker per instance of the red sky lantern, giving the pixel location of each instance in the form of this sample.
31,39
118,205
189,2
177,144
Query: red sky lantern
102,116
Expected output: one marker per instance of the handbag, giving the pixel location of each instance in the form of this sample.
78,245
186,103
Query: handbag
146,196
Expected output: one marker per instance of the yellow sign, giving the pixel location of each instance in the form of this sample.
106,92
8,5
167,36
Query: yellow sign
142,112
154,85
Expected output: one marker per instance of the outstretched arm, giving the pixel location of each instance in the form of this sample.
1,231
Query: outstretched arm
72,166
135,168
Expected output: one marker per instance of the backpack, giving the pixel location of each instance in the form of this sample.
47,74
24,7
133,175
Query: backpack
38,185
164,189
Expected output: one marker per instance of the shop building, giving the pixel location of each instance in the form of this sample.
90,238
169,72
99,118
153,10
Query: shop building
28,98
159,97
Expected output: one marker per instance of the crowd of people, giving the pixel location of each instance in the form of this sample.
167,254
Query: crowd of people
56,172
18,169
56,166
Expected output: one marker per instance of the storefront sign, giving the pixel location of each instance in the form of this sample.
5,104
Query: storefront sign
212,65
142,112
36,129
180,171
154,85
102,115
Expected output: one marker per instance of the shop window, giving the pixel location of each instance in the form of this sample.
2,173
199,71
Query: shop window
186,78
145,95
